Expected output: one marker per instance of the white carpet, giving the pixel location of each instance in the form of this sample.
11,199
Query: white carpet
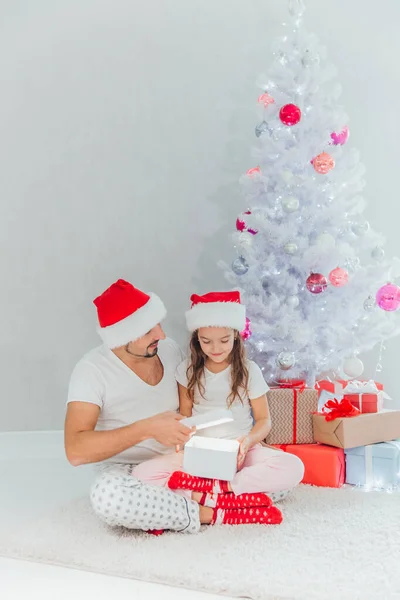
333,544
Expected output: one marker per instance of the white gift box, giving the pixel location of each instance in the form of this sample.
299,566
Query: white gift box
210,457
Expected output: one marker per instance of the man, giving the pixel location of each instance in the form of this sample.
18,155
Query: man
122,410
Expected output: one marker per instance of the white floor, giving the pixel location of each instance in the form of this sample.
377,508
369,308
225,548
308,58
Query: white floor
35,477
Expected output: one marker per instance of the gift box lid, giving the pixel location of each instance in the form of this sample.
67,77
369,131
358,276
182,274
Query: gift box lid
210,419
381,450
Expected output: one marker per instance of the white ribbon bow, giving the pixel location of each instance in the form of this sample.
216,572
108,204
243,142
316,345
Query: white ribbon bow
361,387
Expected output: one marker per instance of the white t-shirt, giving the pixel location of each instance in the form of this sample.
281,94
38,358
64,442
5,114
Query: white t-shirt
102,378
217,390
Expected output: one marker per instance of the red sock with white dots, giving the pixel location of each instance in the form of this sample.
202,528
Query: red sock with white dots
183,481
155,531
230,500
247,516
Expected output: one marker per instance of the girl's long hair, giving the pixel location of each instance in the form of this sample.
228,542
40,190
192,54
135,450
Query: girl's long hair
239,371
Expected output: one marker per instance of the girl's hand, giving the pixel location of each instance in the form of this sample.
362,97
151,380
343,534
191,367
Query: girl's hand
243,450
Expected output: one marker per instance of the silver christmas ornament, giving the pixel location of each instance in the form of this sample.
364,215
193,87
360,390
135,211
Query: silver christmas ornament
325,241
245,239
360,229
293,301
240,266
378,253
352,263
369,303
261,128
290,204
353,366
290,248
285,360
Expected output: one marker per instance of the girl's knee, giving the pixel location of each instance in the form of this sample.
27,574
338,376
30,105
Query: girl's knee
295,468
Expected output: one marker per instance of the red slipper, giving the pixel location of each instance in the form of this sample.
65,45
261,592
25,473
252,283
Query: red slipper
155,531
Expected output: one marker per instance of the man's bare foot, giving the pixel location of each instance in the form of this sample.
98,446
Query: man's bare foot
196,496
206,515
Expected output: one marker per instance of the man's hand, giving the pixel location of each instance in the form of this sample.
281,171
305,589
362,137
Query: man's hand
167,429
243,450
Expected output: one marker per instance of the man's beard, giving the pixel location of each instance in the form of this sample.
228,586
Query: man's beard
148,354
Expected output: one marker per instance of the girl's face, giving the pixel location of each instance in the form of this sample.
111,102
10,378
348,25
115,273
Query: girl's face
216,342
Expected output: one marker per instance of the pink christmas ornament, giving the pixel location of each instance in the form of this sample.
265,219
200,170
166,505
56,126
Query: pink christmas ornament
242,226
388,297
290,114
253,171
338,139
265,99
323,163
316,283
246,333
338,277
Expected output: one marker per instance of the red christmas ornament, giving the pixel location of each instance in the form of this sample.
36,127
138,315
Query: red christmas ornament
338,277
253,171
316,283
265,99
290,114
323,163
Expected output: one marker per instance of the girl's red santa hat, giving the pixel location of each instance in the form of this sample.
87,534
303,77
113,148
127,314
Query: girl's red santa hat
216,309
126,314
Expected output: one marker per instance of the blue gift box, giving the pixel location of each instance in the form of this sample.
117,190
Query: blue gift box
376,465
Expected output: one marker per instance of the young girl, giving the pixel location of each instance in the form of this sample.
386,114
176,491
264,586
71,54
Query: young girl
218,375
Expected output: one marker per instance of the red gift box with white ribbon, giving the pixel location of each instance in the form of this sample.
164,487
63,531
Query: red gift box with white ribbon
367,396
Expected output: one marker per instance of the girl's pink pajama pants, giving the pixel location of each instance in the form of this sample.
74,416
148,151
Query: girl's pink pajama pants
264,470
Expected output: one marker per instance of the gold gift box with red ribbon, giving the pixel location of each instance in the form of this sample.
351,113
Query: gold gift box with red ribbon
291,406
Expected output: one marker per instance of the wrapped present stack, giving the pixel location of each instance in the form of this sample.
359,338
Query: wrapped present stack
340,430
292,406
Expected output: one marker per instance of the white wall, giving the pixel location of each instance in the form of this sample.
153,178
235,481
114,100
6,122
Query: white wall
124,126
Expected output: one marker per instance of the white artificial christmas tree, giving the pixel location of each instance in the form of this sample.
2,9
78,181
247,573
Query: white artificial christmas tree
309,266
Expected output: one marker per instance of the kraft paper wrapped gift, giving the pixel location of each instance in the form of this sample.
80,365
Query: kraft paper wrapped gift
291,406
323,465
360,430
210,457
367,396
375,465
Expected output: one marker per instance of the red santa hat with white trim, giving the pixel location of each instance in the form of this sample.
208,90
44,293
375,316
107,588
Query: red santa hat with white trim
216,309
126,314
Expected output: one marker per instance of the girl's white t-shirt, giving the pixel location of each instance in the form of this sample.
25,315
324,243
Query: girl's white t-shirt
217,389
123,398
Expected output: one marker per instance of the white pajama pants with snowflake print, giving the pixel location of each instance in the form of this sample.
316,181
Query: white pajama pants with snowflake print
120,499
